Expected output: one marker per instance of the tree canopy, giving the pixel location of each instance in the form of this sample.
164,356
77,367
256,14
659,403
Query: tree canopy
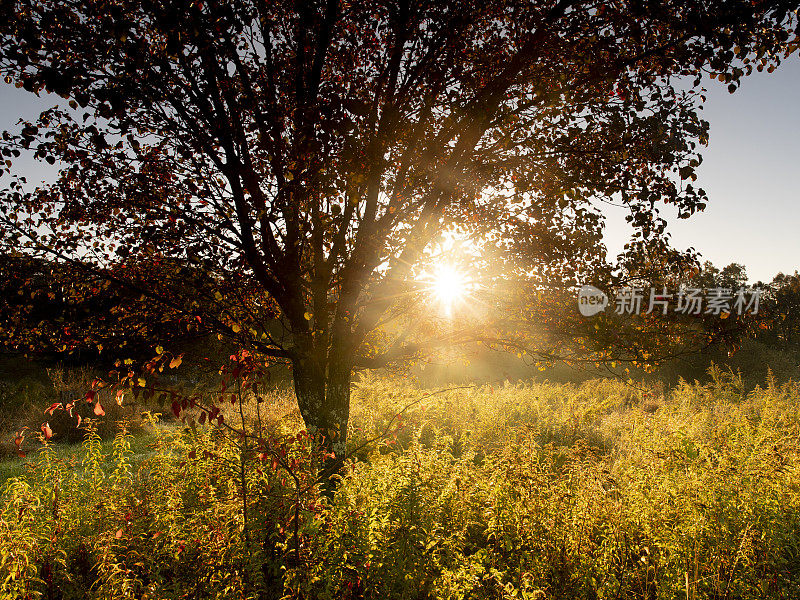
307,157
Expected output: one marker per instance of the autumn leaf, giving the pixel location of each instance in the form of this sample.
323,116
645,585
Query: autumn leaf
98,409
48,433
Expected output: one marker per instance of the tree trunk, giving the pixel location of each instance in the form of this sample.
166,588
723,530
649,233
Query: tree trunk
323,396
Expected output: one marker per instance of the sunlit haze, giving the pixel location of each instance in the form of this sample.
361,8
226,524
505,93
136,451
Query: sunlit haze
449,287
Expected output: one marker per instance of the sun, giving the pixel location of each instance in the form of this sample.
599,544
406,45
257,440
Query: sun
449,286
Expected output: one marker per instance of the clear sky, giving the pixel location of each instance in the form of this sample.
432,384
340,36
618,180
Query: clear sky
751,171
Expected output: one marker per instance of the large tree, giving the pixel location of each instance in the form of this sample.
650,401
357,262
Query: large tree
308,155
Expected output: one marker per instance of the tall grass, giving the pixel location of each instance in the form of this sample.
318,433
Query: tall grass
598,490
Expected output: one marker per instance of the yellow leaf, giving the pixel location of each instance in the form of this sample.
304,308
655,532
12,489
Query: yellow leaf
159,350
236,328
308,316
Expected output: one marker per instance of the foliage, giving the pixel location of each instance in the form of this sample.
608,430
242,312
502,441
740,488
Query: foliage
281,173
599,490
781,303
54,311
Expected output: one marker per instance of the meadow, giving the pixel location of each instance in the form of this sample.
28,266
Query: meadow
519,491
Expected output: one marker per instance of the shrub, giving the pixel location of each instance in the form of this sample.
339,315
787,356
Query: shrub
526,491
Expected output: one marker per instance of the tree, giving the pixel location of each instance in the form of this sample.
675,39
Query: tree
782,301
56,311
309,155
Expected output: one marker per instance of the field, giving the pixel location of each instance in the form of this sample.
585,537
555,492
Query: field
597,490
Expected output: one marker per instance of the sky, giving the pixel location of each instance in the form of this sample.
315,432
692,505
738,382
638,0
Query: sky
750,170
751,173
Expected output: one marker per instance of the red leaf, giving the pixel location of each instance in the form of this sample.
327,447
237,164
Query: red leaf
176,408
118,535
202,418
48,433
21,454
53,407
192,454
220,420
90,396
98,409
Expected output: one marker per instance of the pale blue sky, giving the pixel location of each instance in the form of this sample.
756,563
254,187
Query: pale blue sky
750,171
